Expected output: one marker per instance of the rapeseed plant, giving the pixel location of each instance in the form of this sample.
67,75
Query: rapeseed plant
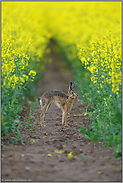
83,31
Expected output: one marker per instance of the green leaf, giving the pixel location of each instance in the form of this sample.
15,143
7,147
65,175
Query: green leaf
87,137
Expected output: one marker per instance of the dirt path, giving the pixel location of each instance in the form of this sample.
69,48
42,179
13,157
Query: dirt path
47,158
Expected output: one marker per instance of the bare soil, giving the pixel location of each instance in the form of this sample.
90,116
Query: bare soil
44,157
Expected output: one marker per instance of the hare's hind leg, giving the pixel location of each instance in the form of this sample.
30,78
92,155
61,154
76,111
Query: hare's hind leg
44,109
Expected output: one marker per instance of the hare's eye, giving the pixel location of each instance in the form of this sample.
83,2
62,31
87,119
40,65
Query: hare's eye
72,92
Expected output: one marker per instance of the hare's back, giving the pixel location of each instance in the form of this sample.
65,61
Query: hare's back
53,93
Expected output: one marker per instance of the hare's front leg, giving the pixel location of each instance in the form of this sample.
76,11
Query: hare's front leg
66,119
63,118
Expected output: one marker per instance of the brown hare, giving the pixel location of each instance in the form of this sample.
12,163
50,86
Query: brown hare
61,99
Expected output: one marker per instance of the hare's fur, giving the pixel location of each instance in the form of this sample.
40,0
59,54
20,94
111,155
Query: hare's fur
61,99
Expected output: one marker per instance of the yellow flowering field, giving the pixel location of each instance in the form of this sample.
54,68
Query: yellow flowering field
23,43
89,35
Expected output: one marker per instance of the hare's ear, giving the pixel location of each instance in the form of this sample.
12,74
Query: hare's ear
73,86
70,87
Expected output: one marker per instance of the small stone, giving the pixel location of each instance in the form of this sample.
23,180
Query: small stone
28,168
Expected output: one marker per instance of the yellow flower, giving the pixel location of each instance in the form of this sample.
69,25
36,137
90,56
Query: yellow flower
22,80
32,140
25,76
99,172
32,72
49,155
102,76
70,155
61,151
